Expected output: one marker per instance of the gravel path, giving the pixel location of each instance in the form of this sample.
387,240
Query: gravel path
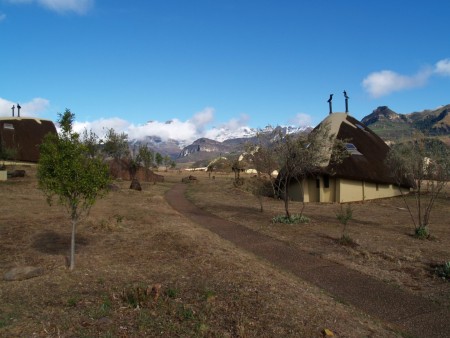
411,314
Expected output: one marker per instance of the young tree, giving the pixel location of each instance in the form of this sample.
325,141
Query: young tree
67,170
426,164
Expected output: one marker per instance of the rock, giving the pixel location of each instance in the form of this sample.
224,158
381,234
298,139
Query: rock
113,187
135,185
189,179
328,333
16,173
23,272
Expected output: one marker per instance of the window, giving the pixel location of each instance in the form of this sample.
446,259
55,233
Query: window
351,148
326,181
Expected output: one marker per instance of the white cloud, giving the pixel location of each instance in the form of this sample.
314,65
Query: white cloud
32,108
61,6
100,126
385,82
442,67
202,118
301,120
189,130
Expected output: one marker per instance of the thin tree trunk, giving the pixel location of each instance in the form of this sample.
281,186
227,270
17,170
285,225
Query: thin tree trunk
286,199
72,243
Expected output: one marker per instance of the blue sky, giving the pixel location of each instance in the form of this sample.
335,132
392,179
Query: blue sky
211,63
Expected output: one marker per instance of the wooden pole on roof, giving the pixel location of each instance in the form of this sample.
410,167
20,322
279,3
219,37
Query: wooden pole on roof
330,104
346,101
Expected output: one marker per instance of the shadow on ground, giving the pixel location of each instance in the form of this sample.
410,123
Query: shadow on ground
51,242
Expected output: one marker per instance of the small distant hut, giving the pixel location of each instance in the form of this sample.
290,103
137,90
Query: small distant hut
24,135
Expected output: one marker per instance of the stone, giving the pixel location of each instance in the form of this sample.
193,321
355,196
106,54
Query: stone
113,187
23,272
135,185
328,333
189,179
16,173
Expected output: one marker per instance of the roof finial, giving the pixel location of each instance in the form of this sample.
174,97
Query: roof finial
12,108
18,110
330,104
346,101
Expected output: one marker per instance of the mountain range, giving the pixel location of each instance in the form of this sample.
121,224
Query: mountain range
392,127
388,124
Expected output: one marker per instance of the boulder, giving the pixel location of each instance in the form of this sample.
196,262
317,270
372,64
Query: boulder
16,173
189,179
23,272
135,185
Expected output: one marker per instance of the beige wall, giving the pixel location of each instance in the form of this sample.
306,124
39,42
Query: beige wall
351,191
341,191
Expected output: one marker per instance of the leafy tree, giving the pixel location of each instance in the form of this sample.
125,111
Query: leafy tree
67,170
424,163
91,141
159,159
115,145
146,156
168,162
7,154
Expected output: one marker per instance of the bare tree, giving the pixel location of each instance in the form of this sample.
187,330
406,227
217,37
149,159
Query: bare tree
425,164
262,156
303,155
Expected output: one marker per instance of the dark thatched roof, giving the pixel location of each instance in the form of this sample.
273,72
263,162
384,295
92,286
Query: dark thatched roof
24,135
367,158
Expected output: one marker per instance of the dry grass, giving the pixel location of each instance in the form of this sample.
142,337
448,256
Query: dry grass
382,230
202,285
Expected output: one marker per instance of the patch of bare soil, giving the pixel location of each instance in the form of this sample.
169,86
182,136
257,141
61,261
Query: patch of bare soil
142,269
382,230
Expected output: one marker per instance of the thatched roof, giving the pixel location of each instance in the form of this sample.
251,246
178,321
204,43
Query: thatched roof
367,150
24,135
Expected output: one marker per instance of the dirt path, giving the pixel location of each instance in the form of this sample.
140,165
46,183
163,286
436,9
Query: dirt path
412,314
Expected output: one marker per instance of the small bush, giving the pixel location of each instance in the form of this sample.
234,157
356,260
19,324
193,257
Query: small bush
346,240
344,216
294,219
422,233
443,271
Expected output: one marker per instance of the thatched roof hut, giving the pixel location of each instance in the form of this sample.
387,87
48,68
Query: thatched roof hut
23,135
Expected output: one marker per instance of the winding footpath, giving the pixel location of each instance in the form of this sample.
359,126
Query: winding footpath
409,313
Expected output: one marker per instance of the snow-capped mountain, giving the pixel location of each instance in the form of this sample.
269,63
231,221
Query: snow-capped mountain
216,140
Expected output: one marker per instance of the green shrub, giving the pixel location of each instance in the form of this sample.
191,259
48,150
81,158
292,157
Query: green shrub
443,270
347,241
294,219
422,233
